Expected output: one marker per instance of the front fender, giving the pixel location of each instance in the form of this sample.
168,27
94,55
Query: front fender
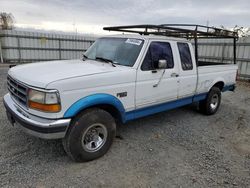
93,100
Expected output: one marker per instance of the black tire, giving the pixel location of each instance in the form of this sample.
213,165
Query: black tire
209,106
86,127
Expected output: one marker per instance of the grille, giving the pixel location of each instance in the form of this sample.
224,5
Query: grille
17,90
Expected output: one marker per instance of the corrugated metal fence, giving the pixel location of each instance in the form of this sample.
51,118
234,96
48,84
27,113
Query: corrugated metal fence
25,46
215,50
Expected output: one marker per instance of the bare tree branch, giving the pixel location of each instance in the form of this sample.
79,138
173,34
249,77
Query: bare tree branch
6,20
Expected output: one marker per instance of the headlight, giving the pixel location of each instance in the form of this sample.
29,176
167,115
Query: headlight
44,101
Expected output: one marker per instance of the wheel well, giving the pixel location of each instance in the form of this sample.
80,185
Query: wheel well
219,85
110,109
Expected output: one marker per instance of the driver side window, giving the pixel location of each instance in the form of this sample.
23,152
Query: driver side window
158,51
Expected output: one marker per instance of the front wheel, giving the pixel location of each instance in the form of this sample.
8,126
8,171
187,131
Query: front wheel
211,104
90,135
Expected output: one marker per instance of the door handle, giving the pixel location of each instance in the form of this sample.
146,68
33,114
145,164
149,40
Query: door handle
174,75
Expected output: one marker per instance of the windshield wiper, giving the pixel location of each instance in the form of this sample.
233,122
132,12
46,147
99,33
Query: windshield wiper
84,57
106,60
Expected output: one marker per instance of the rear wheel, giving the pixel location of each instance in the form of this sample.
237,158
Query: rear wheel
211,104
90,135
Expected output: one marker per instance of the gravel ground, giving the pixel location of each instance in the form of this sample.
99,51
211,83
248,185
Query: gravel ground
178,148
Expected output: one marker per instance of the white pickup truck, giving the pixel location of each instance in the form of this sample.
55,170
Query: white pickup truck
120,78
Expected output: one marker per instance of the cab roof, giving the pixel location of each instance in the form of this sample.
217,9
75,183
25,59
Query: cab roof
146,37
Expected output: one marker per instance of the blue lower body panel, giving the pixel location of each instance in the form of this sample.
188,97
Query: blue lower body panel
138,113
229,88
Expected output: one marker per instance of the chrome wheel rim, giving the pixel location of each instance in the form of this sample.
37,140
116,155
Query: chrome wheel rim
94,137
214,101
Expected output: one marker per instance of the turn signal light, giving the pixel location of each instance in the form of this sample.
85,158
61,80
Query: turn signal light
45,107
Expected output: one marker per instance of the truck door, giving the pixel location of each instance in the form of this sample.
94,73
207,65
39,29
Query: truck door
188,72
154,86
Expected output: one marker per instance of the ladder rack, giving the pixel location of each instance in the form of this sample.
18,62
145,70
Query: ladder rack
188,31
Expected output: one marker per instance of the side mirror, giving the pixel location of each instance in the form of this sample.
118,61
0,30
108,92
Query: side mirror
162,64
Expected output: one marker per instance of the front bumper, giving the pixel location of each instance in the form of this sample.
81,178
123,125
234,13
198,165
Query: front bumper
33,125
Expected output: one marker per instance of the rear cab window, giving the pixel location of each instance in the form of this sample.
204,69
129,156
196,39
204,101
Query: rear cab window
185,56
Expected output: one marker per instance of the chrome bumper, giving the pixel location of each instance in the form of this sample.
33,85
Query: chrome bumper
33,125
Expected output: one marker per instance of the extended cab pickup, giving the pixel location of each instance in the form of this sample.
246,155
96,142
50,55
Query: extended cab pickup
120,78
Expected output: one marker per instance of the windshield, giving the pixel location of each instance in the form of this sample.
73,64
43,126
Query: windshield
122,51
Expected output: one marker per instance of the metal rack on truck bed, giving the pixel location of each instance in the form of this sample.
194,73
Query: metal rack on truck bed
188,31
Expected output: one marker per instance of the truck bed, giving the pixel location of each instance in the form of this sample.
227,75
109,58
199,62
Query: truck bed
210,63
208,75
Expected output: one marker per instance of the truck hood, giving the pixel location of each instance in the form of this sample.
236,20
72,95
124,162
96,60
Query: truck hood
42,73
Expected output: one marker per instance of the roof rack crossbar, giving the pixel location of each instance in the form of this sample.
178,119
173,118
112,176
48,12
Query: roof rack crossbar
179,30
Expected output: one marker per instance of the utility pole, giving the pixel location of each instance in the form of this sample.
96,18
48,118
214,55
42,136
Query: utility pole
74,27
207,23
1,53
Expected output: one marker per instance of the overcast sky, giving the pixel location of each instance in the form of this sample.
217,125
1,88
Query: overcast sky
90,16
